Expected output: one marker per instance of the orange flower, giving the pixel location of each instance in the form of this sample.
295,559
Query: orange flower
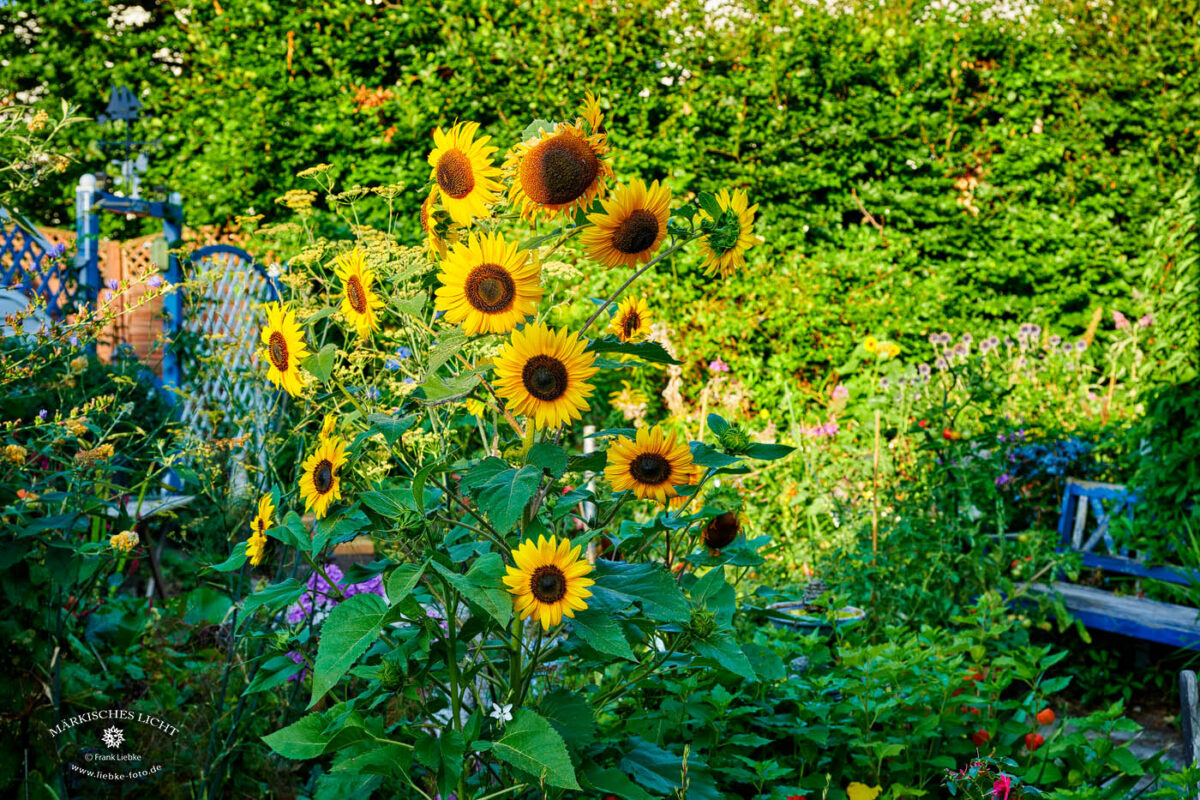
1033,741
1045,717
951,435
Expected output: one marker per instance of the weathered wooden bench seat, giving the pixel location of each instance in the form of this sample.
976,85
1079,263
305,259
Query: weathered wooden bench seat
1083,527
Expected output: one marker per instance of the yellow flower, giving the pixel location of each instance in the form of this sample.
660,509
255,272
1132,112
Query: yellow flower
558,170
632,226
15,454
463,172
439,231
543,375
124,541
328,426
256,545
591,113
860,791
548,580
360,304
870,344
889,349
320,483
475,408
285,349
77,426
488,285
728,252
651,464
631,323
79,364
693,478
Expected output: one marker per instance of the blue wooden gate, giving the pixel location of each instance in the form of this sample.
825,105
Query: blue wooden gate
31,267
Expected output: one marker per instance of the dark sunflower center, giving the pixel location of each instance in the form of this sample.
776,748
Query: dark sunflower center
278,351
323,476
630,324
356,295
636,233
650,468
559,170
490,288
722,530
548,584
454,175
545,377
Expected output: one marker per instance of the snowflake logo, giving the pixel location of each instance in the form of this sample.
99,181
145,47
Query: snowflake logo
113,737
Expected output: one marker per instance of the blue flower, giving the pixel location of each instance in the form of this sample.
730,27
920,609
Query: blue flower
408,379
404,352
57,251
113,284
372,392
392,363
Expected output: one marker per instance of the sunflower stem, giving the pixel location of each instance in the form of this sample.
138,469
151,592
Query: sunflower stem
633,278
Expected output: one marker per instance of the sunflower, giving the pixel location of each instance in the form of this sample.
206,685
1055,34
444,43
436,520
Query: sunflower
256,545
320,484
438,228
633,225
462,169
725,249
488,285
548,580
679,501
360,303
651,465
285,348
721,530
542,374
631,323
560,168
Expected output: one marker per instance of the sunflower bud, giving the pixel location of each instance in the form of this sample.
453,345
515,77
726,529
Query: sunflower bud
391,675
734,440
703,624
722,530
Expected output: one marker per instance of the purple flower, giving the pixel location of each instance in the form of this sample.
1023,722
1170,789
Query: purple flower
74,340
718,366
56,251
43,414
1120,320
923,369
1055,340
113,284
1146,321
941,364
372,392
884,383
108,296
840,392
934,338
155,281
967,338
1080,346
1067,347
407,379
1003,479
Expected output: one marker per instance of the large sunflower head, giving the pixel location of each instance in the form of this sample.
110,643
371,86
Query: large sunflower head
488,285
558,170
543,375
360,304
284,350
631,323
320,483
463,172
437,226
724,247
548,580
256,545
633,225
652,464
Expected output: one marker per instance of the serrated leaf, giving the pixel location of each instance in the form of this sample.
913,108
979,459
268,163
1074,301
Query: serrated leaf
647,351
483,586
723,649
619,584
602,633
351,628
303,739
273,598
549,456
438,391
402,581
449,342
391,427
412,306
531,744
504,496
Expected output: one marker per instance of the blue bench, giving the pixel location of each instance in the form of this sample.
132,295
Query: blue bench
1084,527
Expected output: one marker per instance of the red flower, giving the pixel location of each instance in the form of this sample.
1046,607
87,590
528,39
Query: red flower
980,738
1045,717
797,797
1033,741
923,423
951,435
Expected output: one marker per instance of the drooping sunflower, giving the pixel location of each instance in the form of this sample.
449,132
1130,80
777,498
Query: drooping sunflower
543,375
488,285
438,228
651,465
256,545
633,225
285,349
463,172
560,168
360,304
320,484
726,250
548,580
721,530
631,323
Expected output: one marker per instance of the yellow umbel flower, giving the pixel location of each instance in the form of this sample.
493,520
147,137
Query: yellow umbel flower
256,545
631,323
488,285
543,375
558,170
320,483
463,172
548,580
651,465
15,454
725,254
360,304
285,349
124,541
632,226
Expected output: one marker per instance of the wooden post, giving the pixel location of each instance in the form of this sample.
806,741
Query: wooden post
1189,702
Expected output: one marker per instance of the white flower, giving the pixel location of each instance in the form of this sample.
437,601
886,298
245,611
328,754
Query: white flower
274,270
501,713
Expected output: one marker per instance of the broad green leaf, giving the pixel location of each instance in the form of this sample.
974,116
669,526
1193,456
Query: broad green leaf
602,633
391,427
549,456
646,351
235,561
483,586
402,581
413,305
503,493
439,391
273,598
304,738
613,781
722,648
350,629
321,363
532,745
274,672
571,716
704,455
448,343
717,424
768,452
618,584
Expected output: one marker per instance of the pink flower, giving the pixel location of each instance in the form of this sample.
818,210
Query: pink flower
1001,788
1146,321
718,366
1120,320
840,392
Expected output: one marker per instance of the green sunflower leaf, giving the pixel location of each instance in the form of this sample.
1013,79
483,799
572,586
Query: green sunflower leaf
320,364
602,633
548,456
646,351
620,584
768,452
448,343
534,129
273,598
532,745
504,495
482,585
236,559
351,628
